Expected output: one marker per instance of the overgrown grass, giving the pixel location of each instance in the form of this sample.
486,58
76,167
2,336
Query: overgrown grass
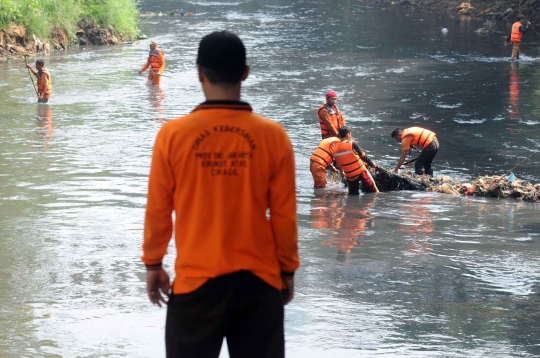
41,16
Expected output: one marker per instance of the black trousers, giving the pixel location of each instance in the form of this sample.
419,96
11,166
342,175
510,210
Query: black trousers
240,307
423,163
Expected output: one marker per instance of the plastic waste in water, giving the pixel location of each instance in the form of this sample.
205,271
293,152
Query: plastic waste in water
511,177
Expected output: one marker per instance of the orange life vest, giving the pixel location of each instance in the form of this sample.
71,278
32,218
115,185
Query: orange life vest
335,117
350,162
41,86
421,137
323,153
154,59
516,34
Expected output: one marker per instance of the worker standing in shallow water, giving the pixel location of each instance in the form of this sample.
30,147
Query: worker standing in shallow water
416,136
321,159
515,35
330,117
44,82
156,62
352,159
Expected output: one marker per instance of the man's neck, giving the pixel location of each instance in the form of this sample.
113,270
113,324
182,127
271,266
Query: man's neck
219,93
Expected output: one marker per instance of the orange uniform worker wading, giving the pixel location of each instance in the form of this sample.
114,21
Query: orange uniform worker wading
253,154
330,116
417,137
350,157
320,159
44,83
351,163
156,62
516,34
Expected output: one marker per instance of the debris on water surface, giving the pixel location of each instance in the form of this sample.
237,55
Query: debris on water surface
489,186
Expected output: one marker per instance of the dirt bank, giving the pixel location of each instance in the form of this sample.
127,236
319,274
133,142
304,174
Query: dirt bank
15,41
499,10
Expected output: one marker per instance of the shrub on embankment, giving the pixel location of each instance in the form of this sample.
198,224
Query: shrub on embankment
43,17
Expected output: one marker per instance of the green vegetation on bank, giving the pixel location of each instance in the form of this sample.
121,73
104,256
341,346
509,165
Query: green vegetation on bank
41,16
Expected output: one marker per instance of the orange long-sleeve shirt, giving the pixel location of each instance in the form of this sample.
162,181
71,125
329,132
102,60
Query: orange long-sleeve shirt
158,60
229,176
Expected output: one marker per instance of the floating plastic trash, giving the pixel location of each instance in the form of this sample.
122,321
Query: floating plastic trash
489,186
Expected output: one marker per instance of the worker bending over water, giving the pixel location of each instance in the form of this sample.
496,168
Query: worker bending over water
421,137
352,159
321,159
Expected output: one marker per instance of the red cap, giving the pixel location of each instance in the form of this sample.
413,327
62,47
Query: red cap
331,94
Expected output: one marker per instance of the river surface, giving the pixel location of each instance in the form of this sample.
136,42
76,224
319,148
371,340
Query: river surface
389,275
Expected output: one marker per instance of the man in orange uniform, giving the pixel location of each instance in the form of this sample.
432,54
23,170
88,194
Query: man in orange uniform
320,159
330,117
352,159
229,176
515,36
156,62
44,82
416,136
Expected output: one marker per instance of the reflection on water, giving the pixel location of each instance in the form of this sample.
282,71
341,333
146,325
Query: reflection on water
156,97
342,222
393,274
45,121
417,225
513,100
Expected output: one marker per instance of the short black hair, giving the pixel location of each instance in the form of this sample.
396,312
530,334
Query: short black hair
40,61
395,132
343,131
222,57
520,17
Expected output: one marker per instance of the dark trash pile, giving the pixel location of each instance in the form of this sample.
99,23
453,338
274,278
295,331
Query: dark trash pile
490,186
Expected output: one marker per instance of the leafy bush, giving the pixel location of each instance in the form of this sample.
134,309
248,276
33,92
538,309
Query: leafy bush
41,16
123,15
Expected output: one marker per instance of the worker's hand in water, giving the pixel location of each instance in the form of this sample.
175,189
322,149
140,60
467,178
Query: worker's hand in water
157,286
396,171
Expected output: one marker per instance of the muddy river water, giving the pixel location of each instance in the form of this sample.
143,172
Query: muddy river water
390,275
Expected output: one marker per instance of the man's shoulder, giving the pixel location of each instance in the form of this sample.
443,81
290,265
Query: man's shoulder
246,118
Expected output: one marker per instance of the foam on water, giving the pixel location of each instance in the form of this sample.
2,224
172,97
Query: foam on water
472,121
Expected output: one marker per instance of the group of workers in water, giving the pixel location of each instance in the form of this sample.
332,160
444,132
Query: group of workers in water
155,61
339,152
